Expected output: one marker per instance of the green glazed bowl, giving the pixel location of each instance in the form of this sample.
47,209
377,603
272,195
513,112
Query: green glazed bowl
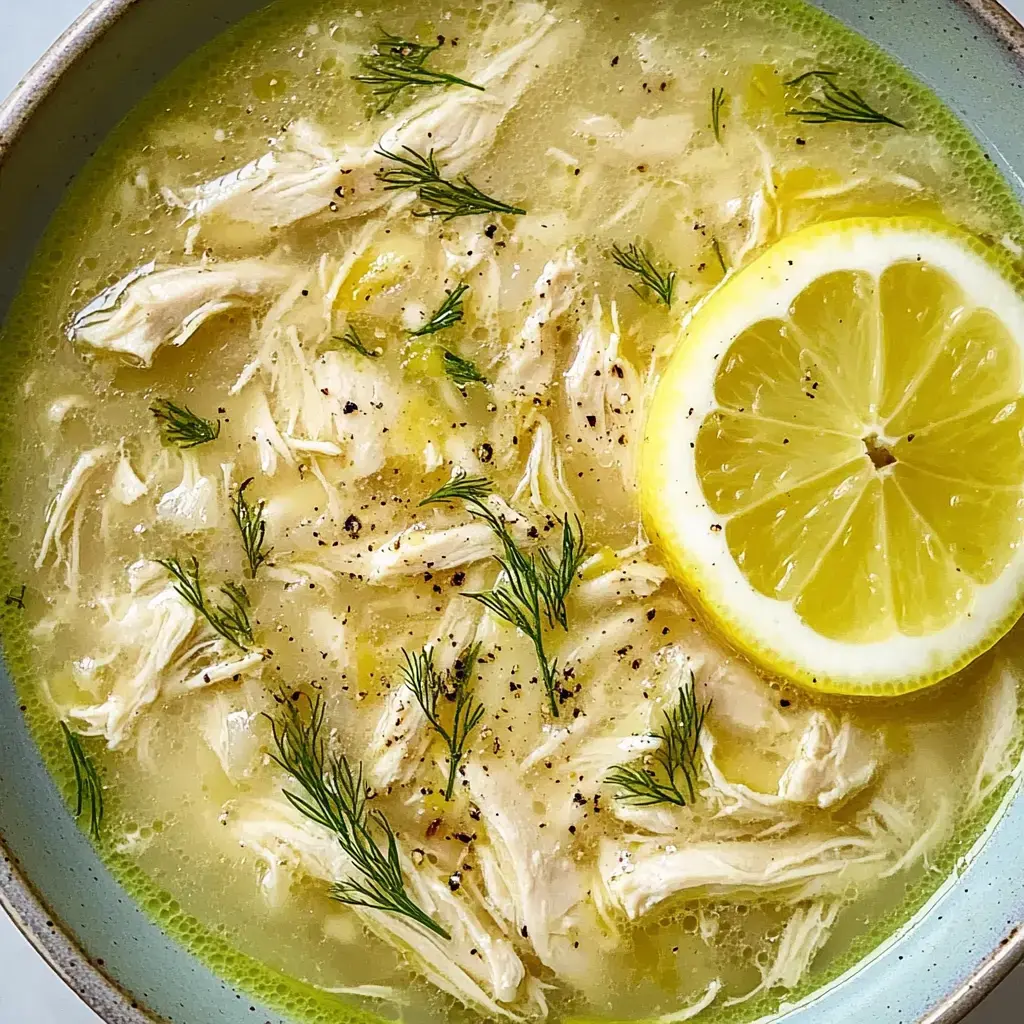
934,970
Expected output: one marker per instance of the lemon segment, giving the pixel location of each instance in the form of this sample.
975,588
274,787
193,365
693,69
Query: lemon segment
833,461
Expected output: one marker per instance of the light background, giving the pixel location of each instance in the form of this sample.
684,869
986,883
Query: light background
29,992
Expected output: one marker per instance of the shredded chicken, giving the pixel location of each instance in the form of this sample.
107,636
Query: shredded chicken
419,548
306,175
642,873
126,487
831,764
68,500
528,366
151,307
147,636
605,396
543,479
195,503
478,966
402,733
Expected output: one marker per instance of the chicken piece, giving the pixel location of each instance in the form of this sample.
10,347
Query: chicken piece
830,765
150,308
402,733
630,577
147,636
543,479
477,966
69,498
535,879
640,873
194,504
419,548
605,396
304,175
527,367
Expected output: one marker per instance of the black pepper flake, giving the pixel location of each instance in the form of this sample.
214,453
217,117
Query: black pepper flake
491,230
615,61
433,827
350,407
353,526
485,452
651,613
459,579
524,931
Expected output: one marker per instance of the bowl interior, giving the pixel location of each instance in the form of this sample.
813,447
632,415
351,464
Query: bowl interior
47,131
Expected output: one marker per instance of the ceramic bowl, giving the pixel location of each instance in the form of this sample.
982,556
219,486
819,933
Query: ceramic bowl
935,969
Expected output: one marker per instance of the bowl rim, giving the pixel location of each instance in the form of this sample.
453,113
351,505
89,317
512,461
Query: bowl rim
19,899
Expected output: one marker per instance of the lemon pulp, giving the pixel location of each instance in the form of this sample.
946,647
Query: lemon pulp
834,458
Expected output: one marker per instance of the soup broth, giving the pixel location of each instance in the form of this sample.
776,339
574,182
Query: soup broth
332,357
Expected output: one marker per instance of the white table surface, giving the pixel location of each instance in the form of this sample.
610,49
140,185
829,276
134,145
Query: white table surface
29,992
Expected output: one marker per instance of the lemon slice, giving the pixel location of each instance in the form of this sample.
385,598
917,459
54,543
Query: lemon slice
833,462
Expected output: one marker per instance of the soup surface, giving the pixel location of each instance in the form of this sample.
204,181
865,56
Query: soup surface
255,340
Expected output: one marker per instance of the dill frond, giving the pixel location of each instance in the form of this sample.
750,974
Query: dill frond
88,787
396,64
530,589
448,314
470,489
833,103
443,198
429,686
181,426
461,371
352,339
335,797
717,102
677,761
230,620
16,597
253,527
636,261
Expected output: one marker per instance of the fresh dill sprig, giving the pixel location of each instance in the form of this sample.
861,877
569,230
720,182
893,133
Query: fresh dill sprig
470,489
530,590
334,796
836,104
717,249
429,687
717,102
636,261
253,527
448,314
89,788
352,339
461,371
230,620
678,758
16,598
396,64
443,198
181,426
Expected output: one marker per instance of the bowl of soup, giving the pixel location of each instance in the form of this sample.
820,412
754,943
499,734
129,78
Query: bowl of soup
512,511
